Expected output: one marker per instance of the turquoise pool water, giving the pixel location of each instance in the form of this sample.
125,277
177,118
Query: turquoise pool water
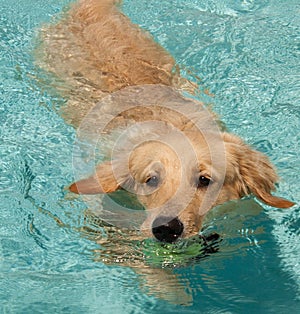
246,53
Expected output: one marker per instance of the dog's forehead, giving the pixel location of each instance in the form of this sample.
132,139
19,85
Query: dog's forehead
159,155
195,146
210,151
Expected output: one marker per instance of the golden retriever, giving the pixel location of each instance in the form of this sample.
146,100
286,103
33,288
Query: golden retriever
169,150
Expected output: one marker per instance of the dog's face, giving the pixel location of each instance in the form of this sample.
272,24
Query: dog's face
178,181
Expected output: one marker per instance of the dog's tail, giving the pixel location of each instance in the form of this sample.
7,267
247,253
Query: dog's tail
90,11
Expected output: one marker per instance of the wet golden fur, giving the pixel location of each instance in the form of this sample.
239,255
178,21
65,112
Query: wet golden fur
95,50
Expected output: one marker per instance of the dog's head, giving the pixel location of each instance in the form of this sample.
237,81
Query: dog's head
180,176
171,154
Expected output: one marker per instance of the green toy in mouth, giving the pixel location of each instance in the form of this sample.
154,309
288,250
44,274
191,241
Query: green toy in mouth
124,247
121,243
181,253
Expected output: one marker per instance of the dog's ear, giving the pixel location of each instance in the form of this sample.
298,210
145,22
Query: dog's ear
254,172
102,181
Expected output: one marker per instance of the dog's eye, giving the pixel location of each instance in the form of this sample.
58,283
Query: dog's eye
203,181
152,181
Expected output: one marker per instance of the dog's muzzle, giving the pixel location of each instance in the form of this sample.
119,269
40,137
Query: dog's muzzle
167,229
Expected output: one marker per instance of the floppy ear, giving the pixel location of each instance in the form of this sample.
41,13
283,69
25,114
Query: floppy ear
102,181
255,174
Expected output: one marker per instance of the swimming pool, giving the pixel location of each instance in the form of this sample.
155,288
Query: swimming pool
246,54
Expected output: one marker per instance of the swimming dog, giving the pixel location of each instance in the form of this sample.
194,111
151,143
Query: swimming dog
172,153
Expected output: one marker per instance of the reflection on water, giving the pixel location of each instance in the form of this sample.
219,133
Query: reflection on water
228,231
152,261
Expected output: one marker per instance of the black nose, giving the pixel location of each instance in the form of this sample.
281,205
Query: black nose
167,229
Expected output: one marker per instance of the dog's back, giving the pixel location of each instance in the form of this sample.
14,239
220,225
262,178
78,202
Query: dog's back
95,50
